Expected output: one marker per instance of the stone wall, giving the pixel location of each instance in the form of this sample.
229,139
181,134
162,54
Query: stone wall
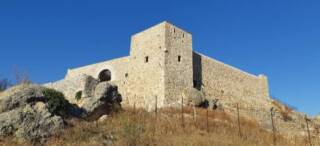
178,64
69,86
75,78
146,80
163,67
119,72
118,68
229,84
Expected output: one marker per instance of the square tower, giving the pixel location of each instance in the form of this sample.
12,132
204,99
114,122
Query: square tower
160,66
178,64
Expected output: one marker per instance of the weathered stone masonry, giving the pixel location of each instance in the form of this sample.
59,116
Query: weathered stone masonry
163,65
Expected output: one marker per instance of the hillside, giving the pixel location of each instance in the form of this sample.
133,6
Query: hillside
166,127
35,115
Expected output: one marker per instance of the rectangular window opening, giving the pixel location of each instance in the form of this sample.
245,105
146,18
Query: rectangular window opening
146,59
179,58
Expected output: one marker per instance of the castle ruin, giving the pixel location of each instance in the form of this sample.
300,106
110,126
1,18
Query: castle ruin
162,66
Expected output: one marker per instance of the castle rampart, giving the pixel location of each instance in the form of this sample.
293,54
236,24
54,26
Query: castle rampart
162,66
222,81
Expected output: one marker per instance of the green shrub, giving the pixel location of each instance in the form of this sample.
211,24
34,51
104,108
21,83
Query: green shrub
57,104
78,95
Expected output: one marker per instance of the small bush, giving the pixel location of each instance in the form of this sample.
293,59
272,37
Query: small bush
78,95
22,77
284,110
57,104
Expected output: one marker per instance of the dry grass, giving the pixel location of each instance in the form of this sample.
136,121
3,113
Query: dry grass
140,128
283,109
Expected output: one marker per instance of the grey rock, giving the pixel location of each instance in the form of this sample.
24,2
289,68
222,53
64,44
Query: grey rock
38,124
29,123
103,90
24,110
25,115
20,96
106,96
89,87
9,123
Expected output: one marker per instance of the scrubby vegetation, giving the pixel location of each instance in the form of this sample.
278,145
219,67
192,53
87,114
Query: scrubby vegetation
78,95
21,77
284,110
57,104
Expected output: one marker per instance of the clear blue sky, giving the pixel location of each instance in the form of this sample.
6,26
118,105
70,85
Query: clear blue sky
279,38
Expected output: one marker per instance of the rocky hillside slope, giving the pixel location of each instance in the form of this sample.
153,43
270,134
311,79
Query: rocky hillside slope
167,127
34,113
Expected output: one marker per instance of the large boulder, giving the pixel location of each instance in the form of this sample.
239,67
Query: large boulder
89,86
20,96
29,123
33,112
25,114
105,100
107,92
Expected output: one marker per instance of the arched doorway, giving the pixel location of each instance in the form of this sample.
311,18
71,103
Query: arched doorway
105,75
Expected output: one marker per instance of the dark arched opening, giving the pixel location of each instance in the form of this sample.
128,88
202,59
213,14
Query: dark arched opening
105,75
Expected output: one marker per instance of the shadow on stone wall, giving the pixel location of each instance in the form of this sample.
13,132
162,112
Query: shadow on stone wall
197,70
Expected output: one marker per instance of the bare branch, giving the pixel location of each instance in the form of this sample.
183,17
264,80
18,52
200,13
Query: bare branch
22,77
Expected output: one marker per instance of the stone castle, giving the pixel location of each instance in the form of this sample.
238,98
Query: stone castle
162,67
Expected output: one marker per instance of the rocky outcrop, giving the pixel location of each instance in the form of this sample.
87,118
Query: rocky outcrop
96,98
33,112
89,86
20,96
25,114
29,123
105,100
